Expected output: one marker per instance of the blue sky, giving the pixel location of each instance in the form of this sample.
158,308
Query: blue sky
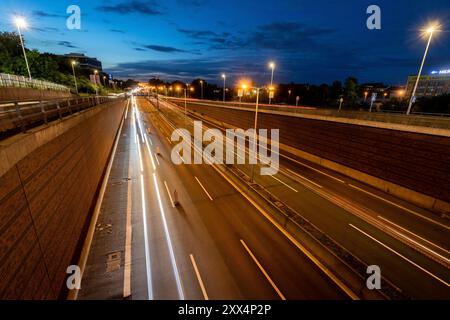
310,41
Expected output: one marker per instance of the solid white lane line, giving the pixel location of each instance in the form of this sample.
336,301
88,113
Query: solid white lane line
126,112
304,178
417,236
157,160
282,182
146,243
140,158
201,185
139,124
150,153
169,241
170,196
199,278
400,255
274,286
401,207
128,237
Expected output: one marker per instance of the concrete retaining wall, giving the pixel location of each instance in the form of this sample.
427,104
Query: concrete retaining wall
415,162
46,197
24,94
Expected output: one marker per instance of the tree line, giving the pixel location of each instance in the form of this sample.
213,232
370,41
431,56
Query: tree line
43,66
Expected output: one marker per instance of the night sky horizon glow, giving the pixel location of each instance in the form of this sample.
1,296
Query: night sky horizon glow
311,41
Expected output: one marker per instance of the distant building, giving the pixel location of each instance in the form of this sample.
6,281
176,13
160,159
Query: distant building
435,84
85,62
396,92
378,89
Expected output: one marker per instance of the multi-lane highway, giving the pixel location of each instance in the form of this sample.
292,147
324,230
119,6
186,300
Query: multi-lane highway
217,243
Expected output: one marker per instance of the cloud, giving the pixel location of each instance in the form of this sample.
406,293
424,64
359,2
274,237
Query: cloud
144,7
116,30
43,14
275,36
163,48
206,35
187,69
159,48
45,29
285,36
192,3
212,40
66,44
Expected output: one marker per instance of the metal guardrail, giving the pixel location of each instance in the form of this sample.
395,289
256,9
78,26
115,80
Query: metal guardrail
9,80
19,116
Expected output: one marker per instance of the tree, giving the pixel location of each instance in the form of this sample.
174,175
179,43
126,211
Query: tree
351,89
43,66
11,56
156,82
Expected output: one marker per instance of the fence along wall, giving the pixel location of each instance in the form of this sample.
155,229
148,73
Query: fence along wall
419,162
45,204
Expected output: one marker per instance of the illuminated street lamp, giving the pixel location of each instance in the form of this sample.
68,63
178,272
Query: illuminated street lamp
224,86
255,135
272,67
185,103
73,63
21,23
430,30
244,87
96,85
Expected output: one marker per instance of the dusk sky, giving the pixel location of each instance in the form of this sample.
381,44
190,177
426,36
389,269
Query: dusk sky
310,41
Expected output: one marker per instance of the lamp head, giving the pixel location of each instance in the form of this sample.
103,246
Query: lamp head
431,28
20,22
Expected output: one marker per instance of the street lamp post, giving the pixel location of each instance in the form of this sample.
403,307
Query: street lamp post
21,23
271,66
255,135
431,31
96,84
244,87
74,75
185,104
340,103
201,86
224,85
